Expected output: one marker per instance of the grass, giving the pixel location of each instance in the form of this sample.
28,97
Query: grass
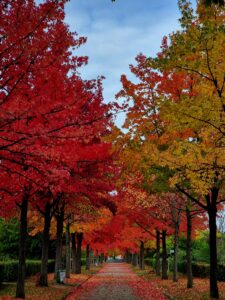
178,290
60,291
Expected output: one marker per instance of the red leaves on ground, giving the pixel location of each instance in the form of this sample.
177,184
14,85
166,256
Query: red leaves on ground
117,281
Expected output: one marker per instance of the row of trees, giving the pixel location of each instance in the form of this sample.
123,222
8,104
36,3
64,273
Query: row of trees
173,146
54,159
61,160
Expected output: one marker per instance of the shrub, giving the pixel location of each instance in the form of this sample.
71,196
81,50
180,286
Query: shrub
83,261
9,269
181,267
221,273
1,273
150,262
201,270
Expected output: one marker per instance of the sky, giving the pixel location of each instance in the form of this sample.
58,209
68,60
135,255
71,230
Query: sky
116,32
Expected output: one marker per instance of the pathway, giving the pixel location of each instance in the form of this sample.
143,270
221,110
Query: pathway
116,281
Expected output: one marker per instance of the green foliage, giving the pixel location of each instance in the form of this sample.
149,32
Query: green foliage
9,269
160,183
149,261
34,244
83,261
9,238
202,270
221,248
200,254
200,249
9,242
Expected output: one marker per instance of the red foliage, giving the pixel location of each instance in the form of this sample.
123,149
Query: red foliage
52,122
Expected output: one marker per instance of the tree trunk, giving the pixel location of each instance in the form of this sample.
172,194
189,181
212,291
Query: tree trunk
164,256
188,249
20,289
176,215
175,271
157,253
74,250
67,250
142,256
78,256
59,233
88,257
43,280
212,243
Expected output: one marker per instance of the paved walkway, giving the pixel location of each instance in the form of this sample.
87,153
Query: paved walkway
116,281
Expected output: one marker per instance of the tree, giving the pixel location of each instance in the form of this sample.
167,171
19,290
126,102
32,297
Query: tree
205,2
47,110
170,124
202,111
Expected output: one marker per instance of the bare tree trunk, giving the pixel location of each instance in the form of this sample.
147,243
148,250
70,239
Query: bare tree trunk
59,233
164,256
67,249
212,211
175,271
78,256
176,216
188,248
20,289
43,280
157,253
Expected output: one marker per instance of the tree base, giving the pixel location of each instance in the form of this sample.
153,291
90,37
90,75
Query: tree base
43,281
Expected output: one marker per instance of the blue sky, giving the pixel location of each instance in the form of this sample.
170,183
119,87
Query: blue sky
117,32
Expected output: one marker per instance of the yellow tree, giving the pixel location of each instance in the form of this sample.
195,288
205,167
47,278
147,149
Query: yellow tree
198,156
176,118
